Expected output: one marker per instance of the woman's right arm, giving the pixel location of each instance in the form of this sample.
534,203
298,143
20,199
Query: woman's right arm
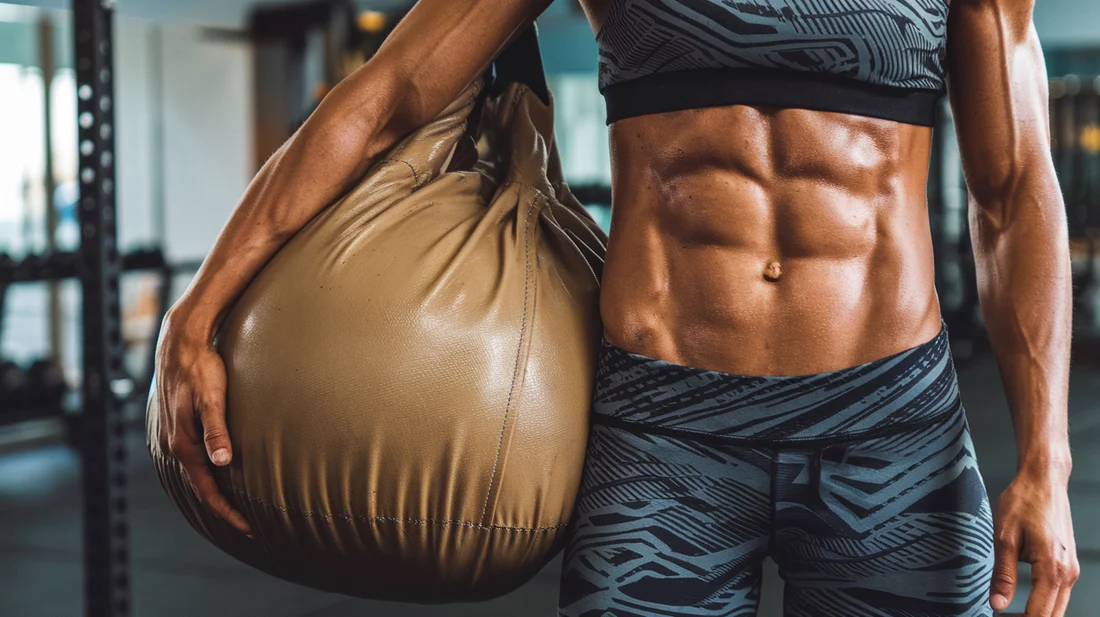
436,51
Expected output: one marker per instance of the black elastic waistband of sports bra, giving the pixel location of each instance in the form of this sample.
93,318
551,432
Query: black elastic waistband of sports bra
680,90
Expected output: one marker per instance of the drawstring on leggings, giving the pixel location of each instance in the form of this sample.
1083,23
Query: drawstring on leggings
815,463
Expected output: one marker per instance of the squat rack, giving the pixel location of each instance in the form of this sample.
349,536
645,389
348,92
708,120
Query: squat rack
100,433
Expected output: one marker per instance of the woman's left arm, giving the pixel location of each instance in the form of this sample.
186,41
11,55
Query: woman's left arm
998,88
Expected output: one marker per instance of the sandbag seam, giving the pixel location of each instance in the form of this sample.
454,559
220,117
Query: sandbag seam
537,191
392,519
416,176
517,96
519,353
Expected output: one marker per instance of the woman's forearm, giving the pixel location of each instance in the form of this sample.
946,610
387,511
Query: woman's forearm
333,148
1024,280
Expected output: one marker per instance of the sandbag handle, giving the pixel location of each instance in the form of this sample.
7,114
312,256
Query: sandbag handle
520,62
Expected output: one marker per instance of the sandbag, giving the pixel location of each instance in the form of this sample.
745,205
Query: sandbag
409,378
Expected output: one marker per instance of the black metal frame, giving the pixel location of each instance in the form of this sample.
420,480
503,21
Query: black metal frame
100,434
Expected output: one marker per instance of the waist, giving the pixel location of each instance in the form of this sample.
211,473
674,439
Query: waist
911,388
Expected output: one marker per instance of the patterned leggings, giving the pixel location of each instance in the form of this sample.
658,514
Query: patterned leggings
861,484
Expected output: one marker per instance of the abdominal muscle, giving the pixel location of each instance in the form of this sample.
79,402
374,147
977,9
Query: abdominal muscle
768,242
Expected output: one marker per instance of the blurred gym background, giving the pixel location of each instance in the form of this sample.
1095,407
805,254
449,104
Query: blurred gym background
203,92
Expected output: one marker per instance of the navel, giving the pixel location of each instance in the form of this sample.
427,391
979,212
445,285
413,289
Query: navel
772,272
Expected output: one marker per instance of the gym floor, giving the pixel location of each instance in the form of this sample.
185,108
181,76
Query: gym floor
176,573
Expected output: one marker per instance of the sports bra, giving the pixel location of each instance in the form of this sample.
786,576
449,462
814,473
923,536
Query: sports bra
878,58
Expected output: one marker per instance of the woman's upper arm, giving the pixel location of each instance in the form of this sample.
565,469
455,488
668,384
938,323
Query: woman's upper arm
437,50
998,88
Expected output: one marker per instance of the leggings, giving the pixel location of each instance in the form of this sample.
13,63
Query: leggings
861,484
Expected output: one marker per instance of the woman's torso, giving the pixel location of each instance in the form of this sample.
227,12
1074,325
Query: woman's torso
767,241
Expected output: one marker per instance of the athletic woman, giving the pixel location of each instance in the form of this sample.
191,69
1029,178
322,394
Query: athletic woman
775,379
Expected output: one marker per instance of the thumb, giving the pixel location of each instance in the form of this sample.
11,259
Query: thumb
214,431
1006,558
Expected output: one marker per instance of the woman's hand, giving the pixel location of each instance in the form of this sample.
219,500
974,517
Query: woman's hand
191,385
1032,524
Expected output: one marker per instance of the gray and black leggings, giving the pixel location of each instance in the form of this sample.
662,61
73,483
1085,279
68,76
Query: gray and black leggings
861,484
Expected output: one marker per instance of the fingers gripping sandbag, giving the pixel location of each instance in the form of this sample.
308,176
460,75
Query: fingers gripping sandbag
409,377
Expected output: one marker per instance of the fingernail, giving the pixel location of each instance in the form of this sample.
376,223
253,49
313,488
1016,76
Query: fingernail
220,456
250,536
999,602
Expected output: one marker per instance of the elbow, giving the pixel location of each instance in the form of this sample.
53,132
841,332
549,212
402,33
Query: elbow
990,200
1023,198
993,185
364,113
1002,190
1020,182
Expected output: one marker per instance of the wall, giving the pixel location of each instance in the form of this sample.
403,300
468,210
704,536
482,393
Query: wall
134,117
207,135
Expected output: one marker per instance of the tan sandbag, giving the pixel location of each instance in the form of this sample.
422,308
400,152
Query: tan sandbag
409,377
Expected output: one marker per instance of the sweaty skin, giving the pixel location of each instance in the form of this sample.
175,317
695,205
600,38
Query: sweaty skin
744,239
733,251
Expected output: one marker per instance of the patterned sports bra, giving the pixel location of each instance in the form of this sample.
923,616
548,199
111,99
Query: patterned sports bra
878,58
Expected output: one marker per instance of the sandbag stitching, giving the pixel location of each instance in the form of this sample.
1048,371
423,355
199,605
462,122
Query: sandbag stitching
416,176
519,352
182,474
516,97
391,519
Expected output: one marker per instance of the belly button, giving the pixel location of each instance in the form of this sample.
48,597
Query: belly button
772,272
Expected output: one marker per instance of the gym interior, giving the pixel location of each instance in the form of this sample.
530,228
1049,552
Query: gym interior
111,196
